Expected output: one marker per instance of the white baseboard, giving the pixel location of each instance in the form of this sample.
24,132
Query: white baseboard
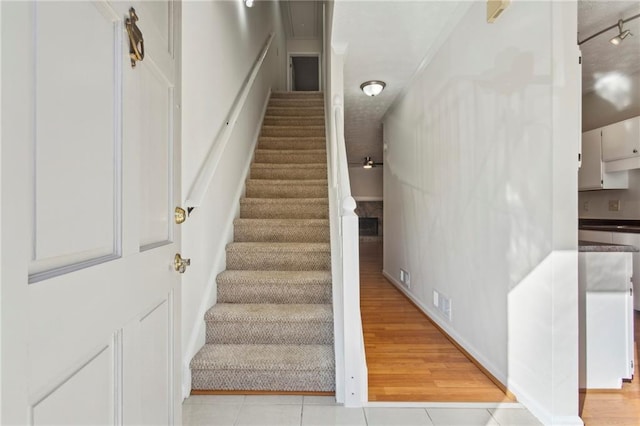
521,394
433,316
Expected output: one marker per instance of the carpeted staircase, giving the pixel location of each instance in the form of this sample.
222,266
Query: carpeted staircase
272,328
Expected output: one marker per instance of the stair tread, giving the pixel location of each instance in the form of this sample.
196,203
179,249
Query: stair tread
280,126
274,277
270,313
304,201
270,247
264,357
296,93
295,138
273,182
300,138
290,151
280,222
289,166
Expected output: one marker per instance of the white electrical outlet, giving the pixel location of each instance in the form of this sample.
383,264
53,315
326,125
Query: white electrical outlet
443,304
614,205
404,278
585,206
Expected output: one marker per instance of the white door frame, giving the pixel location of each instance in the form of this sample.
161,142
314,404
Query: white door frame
290,56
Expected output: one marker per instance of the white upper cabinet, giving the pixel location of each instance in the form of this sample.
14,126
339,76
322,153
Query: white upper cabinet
591,175
621,140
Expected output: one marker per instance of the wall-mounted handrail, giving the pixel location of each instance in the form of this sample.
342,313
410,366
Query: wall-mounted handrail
210,164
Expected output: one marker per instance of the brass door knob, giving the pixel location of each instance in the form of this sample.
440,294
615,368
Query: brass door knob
180,215
180,264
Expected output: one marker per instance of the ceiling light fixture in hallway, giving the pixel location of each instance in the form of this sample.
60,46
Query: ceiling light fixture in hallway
373,87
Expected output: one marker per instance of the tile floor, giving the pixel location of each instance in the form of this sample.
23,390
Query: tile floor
285,410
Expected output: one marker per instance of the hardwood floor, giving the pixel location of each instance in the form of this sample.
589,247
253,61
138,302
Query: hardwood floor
615,407
408,358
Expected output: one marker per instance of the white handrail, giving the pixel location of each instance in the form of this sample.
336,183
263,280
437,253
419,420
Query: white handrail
210,164
341,170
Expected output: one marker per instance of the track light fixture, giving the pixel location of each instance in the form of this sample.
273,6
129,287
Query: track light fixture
622,33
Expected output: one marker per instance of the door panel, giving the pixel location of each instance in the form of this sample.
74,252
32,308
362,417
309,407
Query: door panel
155,356
76,135
84,398
97,160
156,157
162,17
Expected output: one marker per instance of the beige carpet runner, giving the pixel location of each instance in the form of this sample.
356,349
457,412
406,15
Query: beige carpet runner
272,328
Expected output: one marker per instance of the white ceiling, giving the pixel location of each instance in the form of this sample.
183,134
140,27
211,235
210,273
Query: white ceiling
388,40
302,19
599,57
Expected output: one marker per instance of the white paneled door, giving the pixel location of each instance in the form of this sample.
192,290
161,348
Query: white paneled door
90,172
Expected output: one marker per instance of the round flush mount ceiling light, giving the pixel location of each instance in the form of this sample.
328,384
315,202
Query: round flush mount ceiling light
248,3
372,87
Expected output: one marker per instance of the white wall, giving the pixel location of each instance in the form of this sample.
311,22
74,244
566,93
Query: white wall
221,40
480,196
304,46
598,112
366,184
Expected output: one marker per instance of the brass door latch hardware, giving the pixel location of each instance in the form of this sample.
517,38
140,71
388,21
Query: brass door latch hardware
180,215
180,264
136,41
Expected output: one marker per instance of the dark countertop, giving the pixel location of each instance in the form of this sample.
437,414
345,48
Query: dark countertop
627,226
590,246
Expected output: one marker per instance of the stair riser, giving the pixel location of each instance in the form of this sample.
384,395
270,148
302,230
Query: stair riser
283,211
280,234
259,333
287,261
288,174
297,95
295,112
293,121
260,380
294,143
293,102
274,293
291,158
289,131
255,190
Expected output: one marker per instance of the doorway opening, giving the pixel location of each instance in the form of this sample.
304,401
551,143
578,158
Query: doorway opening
304,72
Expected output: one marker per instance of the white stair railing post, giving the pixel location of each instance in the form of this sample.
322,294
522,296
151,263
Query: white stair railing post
346,274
